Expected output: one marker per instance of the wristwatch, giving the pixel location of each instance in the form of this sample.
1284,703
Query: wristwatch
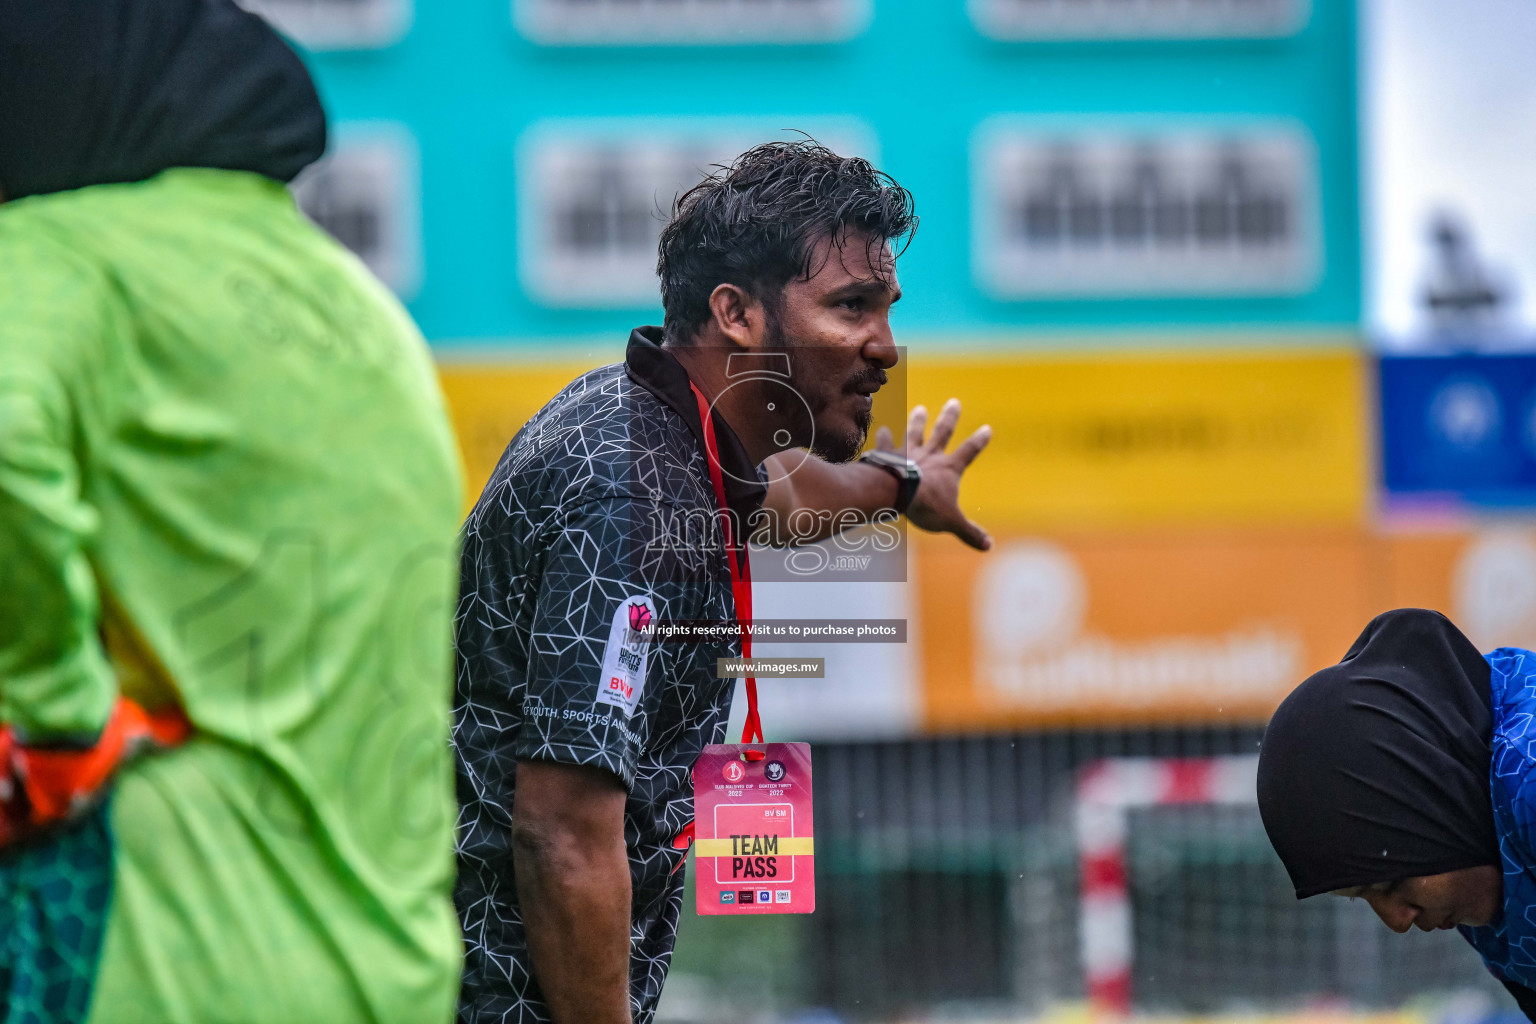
907,475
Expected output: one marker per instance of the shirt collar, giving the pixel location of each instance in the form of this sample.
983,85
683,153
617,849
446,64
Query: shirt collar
657,371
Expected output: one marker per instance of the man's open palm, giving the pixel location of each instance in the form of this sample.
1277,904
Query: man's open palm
936,506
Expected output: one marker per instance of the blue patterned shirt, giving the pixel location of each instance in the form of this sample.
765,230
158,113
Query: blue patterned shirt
1508,944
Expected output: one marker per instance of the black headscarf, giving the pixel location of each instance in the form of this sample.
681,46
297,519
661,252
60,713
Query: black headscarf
100,91
1376,768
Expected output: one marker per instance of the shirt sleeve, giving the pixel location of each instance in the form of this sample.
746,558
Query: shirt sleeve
595,681
55,681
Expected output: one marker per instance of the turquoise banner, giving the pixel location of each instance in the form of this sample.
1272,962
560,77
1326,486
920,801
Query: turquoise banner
1055,162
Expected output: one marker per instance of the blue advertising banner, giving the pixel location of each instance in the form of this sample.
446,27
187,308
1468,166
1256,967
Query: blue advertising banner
1460,427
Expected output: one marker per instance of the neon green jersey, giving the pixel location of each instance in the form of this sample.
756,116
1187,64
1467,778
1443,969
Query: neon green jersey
227,481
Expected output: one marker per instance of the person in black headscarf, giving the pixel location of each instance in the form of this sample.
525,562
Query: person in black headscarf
108,91
1376,780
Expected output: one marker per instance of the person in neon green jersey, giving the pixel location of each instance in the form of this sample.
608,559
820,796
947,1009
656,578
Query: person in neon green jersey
228,500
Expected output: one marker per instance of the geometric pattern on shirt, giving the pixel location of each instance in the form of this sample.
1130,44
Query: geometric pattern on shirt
603,494
1508,944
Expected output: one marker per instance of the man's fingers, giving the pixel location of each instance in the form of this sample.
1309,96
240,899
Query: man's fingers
917,422
883,440
971,447
974,535
944,426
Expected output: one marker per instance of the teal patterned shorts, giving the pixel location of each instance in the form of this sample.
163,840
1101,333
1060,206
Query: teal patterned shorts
53,906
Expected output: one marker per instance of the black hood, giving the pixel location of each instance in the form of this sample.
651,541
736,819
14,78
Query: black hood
100,91
1376,768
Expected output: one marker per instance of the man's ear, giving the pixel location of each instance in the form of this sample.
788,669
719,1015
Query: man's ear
737,315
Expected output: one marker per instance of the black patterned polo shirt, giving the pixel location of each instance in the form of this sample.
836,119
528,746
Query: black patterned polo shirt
599,520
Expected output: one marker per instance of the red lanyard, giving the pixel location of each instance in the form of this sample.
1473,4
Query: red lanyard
741,575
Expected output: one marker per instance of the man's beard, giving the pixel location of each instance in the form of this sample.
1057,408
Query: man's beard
845,446
842,446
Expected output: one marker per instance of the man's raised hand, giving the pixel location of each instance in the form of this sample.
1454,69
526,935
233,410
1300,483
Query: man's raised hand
936,506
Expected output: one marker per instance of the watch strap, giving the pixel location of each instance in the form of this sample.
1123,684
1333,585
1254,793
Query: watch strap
908,476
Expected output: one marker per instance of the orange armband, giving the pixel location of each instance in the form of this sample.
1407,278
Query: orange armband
41,785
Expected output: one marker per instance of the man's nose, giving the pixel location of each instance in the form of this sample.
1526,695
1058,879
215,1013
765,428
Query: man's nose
881,349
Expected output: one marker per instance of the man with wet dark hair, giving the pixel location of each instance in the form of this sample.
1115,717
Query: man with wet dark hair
626,500
791,212
757,225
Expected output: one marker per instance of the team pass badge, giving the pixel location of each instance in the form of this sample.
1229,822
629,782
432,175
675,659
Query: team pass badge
754,845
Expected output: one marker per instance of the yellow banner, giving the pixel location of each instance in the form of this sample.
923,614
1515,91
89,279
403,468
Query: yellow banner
1121,438
1113,438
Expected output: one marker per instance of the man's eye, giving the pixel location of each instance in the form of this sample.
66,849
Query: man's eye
857,305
